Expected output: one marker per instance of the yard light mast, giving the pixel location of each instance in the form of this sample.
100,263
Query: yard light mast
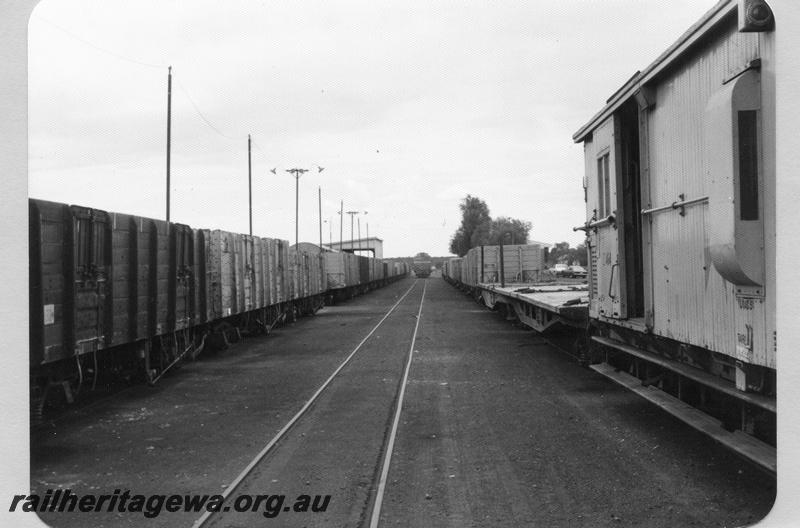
352,214
296,173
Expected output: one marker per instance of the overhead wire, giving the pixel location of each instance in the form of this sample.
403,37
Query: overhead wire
151,65
203,117
99,48
141,63
180,85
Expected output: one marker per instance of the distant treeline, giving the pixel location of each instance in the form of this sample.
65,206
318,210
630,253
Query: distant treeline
479,229
562,253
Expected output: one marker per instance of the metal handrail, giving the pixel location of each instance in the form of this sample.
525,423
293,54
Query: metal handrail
608,220
680,204
611,281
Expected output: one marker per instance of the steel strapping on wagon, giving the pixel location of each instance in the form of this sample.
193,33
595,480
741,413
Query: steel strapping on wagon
146,292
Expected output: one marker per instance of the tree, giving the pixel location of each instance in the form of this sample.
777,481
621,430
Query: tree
559,253
481,234
479,229
474,217
580,255
509,230
562,253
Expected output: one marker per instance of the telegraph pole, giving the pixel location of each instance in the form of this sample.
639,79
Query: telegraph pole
296,173
359,236
250,184
341,222
320,218
169,130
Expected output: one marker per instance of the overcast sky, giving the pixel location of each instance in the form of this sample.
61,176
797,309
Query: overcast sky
409,106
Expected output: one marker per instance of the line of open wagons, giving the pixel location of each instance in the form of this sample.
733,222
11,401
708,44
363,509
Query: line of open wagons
112,291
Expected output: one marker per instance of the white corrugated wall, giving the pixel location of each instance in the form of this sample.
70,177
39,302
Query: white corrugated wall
692,302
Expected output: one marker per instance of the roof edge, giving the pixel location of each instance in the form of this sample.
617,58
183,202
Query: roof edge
715,15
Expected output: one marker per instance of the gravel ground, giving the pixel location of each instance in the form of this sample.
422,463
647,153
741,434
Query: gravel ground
199,427
497,429
500,429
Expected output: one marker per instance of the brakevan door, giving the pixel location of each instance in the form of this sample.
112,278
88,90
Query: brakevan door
602,209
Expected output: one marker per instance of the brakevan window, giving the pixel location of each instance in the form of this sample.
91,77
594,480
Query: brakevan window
748,164
603,187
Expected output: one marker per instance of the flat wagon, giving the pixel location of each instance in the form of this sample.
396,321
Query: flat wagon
513,279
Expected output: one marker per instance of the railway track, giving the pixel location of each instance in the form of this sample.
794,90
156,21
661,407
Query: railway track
286,449
491,427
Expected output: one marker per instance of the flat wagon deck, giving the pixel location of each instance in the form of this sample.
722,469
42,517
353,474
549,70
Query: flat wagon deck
540,305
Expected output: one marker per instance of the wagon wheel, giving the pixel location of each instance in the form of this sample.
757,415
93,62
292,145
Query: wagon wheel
582,349
219,336
588,351
39,393
291,314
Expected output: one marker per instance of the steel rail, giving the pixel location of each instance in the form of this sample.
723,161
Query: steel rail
387,459
260,456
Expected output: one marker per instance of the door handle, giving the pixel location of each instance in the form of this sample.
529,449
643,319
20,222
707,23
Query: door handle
611,282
